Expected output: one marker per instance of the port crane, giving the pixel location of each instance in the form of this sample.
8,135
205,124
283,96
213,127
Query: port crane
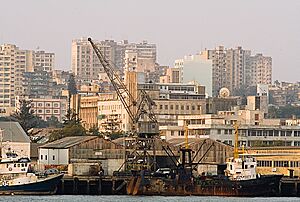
142,131
135,107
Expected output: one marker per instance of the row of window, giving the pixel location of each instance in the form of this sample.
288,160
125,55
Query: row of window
278,164
47,104
47,111
46,157
187,107
281,133
18,165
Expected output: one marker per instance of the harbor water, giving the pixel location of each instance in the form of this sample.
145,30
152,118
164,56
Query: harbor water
116,198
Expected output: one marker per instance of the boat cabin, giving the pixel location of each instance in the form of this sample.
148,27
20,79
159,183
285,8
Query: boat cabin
14,165
241,168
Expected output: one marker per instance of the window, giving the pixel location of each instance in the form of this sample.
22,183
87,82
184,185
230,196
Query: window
166,107
259,133
171,107
53,157
160,107
281,163
45,157
295,163
182,107
187,107
264,163
296,133
219,131
177,107
41,157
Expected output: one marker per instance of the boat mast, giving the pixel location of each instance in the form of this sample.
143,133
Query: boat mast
236,140
186,135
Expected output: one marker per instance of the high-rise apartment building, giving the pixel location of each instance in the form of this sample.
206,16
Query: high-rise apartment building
236,69
86,66
39,60
229,68
260,71
13,63
44,60
12,67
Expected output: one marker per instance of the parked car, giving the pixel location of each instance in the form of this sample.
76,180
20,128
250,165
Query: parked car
162,172
51,171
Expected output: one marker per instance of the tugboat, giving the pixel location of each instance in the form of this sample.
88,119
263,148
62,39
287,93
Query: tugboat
240,179
16,177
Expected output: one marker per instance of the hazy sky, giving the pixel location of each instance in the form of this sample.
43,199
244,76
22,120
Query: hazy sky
177,27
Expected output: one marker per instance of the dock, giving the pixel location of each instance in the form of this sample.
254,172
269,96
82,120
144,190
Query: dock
112,185
289,186
92,185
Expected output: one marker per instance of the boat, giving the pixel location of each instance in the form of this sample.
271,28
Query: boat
17,177
239,179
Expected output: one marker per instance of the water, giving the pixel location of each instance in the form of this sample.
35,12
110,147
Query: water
81,198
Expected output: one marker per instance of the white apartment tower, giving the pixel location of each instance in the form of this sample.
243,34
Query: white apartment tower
13,63
260,70
12,66
229,68
233,68
236,69
44,60
85,64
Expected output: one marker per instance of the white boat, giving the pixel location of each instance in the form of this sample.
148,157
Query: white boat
17,177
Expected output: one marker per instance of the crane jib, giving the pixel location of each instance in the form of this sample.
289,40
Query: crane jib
144,104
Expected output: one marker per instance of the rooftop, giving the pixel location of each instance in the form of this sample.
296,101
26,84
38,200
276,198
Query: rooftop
67,142
13,132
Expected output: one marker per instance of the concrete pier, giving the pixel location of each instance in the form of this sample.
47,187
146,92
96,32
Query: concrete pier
92,185
289,186
107,185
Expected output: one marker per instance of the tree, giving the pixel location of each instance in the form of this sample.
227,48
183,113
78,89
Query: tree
25,115
72,85
283,111
53,122
72,90
71,127
94,131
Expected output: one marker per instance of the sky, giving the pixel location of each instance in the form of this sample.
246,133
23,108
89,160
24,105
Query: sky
179,28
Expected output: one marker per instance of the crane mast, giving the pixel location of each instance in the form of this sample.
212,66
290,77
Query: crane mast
134,107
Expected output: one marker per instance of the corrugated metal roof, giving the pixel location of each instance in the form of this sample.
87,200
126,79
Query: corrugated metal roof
13,132
67,142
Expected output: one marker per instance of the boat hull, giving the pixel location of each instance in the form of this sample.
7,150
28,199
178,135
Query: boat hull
45,186
264,186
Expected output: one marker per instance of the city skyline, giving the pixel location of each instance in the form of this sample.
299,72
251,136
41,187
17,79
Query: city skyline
167,24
